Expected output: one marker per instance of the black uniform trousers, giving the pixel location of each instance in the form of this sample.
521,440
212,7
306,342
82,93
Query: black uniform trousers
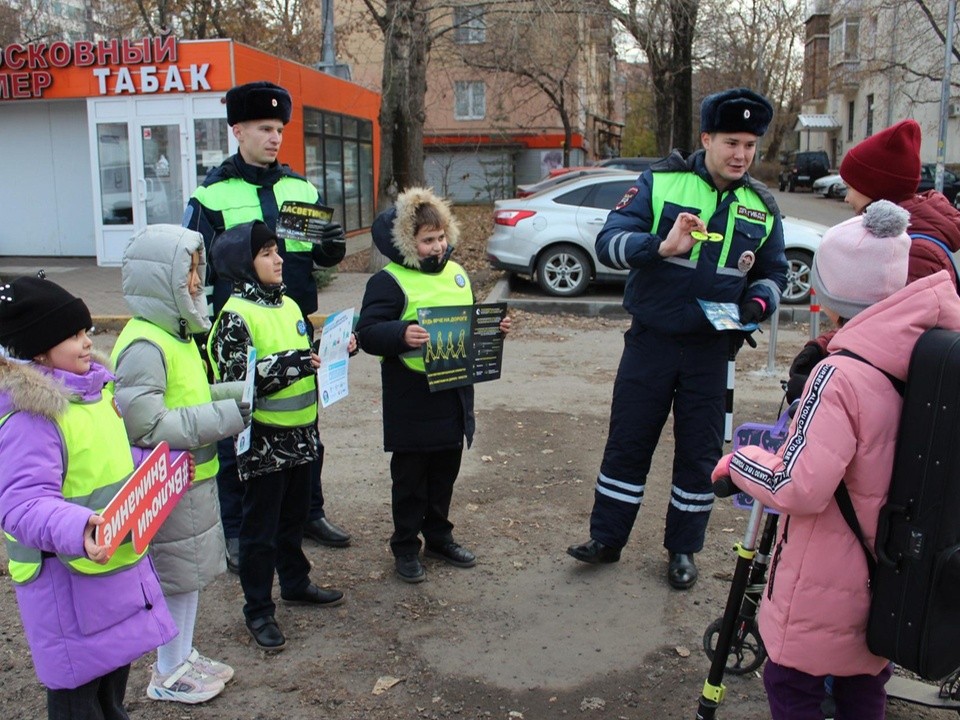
421,494
657,372
275,507
231,489
99,699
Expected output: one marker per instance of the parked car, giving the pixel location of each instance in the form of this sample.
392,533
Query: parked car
801,168
550,237
830,186
951,183
636,164
552,180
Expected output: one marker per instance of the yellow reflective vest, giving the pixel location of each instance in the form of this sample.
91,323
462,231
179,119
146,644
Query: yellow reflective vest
449,287
186,380
239,202
274,329
97,462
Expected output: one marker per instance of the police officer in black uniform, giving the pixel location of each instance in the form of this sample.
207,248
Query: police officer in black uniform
694,228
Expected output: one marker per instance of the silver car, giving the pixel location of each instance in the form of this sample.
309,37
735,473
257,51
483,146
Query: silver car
550,236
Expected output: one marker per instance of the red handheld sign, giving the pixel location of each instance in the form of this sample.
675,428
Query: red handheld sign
145,500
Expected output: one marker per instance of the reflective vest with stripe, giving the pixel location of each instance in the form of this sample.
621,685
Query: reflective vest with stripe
96,462
186,380
274,329
746,213
238,201
449,287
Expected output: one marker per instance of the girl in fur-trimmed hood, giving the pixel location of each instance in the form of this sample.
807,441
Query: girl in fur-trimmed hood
424,430
61,436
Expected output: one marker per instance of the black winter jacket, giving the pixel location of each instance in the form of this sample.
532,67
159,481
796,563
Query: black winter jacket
414,419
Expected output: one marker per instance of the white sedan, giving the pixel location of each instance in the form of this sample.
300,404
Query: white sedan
550,237
830,186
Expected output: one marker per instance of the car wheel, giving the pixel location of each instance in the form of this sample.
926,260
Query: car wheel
836,192
563,270
797,290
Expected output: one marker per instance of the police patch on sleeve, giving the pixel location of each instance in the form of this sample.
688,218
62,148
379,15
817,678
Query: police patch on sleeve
460,280
301,327
627,198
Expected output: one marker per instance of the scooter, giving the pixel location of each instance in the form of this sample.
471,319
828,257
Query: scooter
732,642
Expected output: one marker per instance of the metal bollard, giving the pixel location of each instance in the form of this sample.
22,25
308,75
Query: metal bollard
772,350
814,315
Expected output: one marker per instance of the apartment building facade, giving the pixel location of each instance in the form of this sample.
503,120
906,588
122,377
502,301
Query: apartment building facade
869,64
497,79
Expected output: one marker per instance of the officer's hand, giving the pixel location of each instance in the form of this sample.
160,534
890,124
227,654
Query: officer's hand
679,240
246,412
332,237
750,312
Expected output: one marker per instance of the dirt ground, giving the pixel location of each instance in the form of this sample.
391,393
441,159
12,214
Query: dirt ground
529,632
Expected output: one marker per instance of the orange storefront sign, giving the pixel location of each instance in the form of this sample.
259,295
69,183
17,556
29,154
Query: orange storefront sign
90,68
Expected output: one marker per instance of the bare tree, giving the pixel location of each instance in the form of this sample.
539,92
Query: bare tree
407,35
664,31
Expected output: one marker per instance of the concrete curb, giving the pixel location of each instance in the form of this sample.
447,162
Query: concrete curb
608,307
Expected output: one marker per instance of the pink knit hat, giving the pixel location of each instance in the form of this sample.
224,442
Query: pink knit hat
863,260
885,166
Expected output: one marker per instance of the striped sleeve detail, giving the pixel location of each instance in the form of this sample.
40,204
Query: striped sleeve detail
774,481
615,253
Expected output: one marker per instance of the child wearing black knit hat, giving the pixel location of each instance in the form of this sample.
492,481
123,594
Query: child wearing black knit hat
64,454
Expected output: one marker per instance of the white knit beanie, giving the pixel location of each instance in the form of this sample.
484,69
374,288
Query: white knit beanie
863,260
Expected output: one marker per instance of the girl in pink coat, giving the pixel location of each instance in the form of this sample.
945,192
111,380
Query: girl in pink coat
813,616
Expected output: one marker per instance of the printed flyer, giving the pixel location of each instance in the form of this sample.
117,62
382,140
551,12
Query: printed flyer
465,346
302,221
332,375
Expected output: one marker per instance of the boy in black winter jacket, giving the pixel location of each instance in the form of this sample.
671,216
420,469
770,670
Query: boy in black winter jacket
423,430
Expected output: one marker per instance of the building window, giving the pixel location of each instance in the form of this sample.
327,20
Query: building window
870,109
470,100
470,24
850,121
845,41
339,154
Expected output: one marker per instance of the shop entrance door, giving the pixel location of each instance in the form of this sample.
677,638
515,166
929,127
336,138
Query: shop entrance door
159,172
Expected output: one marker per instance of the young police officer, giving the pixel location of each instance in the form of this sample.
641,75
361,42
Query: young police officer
673,357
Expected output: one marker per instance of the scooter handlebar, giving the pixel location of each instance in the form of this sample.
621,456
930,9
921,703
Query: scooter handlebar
724,487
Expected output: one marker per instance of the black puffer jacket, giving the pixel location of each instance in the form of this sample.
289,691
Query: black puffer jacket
414,419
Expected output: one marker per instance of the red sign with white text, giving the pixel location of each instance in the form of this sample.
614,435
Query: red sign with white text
145,500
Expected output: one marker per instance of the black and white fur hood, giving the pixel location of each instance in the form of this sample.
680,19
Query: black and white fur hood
393,230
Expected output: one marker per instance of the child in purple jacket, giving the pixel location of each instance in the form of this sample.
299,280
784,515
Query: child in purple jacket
63,455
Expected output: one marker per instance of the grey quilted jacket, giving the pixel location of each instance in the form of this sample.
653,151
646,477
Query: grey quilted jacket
189,549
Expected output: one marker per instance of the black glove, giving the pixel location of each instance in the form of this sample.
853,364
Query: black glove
750,312
332,237
800,369
806,359
246,412
795,385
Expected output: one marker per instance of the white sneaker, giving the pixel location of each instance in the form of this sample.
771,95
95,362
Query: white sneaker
213,668
185,685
